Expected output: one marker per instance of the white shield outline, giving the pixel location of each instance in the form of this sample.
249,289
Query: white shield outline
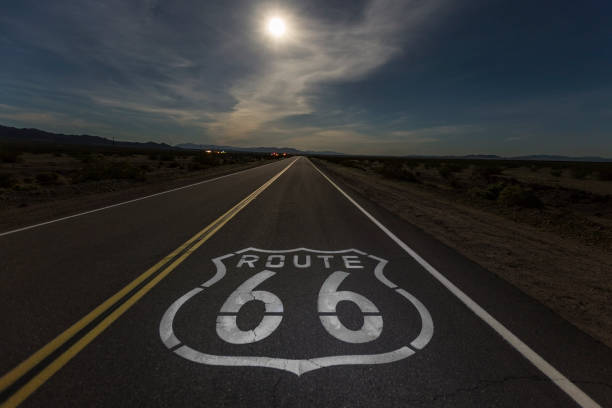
297,367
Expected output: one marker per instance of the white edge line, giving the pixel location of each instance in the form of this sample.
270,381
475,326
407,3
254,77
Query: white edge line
546,368
129,201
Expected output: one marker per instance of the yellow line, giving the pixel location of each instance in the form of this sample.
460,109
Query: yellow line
13,375
59,362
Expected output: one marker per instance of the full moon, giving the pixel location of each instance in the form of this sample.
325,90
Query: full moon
276,27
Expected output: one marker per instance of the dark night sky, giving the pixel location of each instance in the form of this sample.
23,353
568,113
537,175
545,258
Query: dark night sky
378,77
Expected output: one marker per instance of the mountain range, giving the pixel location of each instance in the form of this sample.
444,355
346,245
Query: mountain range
16,135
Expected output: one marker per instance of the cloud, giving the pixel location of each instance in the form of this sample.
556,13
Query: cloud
513,138
318,53
200,66
359,138
47,120
182,116
120,56
432,134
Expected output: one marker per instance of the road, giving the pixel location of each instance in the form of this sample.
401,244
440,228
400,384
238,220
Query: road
273,287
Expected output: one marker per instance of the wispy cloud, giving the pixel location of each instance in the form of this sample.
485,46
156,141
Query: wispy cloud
132,63
432,134
318,53
182,115
124,58
46,119
205,72
513,138
361,138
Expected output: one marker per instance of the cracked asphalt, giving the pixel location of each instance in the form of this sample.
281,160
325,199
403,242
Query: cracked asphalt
197,337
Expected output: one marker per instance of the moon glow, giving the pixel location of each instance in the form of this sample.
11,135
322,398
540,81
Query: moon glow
276,27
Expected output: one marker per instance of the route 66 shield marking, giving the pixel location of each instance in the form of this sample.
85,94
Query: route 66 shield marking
268,265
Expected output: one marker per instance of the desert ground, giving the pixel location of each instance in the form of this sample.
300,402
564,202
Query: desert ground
40,182
546,227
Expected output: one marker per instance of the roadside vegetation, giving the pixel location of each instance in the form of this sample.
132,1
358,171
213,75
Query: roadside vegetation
573,199
545,227
36,173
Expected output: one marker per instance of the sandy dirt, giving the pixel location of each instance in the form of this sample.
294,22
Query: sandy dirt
565,273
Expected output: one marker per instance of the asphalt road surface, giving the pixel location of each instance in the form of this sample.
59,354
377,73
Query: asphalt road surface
273,287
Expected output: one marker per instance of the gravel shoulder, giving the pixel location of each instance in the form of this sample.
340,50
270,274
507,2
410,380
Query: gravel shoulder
570,276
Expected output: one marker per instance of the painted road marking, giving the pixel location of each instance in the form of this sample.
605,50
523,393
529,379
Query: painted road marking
250,261
227,327
579,396
128,202
177,256
330,296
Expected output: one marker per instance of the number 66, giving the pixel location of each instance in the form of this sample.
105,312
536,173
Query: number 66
329,297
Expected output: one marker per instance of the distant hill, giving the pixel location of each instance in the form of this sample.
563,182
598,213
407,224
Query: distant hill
535,157
562,158
15,135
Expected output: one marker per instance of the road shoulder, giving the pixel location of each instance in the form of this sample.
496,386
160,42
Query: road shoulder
17,217
571,279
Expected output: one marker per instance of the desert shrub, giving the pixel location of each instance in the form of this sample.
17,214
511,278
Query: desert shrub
113,170
605,174
454,183
447,170
123,170
203,159
89,173
9,156
486,172
166,156
517,196
47,179
491,191
6,180
352,163
376,165
580,173
578,196
85,157
555,173
395,170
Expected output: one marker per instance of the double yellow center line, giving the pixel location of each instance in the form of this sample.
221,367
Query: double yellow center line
171,261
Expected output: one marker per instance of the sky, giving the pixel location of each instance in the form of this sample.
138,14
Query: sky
389,77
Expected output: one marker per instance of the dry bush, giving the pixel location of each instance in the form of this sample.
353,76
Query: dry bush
518,196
